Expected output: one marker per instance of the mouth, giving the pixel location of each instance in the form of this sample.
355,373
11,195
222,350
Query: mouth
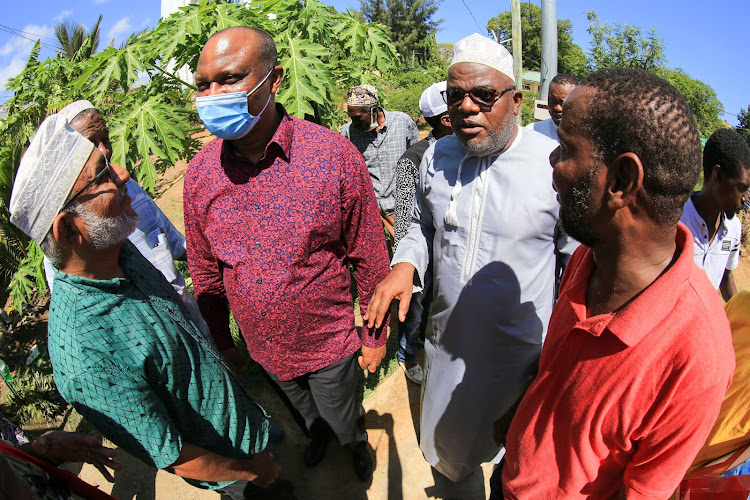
470,128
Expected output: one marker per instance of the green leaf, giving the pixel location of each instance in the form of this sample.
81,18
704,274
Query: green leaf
306,77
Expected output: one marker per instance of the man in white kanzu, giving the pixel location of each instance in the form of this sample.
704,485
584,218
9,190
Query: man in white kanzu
486,213
711,213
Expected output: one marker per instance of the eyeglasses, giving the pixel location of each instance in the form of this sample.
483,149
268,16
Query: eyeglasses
485,98
105,171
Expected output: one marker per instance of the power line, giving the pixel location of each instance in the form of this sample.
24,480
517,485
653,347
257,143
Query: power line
23,34
35,35
472,15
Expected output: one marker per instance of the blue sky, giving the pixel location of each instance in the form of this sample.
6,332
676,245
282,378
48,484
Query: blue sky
708,40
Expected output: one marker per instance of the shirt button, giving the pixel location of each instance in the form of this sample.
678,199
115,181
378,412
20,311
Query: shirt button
263,313
256,206
259,281
257,243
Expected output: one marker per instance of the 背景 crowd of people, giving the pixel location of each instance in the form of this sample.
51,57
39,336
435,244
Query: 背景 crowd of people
569,318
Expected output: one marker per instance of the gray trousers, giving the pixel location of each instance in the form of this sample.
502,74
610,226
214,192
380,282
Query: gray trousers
329,394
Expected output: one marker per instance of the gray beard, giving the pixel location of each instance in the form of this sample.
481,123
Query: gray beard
106,232
495,140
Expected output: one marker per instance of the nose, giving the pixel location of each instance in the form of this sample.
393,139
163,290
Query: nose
119,175
554,156
467,105
214,88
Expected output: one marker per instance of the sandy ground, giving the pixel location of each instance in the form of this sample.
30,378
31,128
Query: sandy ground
392,422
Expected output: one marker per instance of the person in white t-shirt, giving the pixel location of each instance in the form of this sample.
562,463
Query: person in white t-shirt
710,213
559,88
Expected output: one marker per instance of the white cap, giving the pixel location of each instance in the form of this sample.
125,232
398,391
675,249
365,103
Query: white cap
46,175
75,108
432,103
480,49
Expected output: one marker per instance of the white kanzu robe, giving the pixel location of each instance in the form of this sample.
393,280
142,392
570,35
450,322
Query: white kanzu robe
493,289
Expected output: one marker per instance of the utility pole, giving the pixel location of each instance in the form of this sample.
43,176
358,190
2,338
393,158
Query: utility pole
515,15
549,46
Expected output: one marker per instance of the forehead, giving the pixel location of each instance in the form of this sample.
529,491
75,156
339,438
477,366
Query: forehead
468,75
561,89
90,124
575,105
235,51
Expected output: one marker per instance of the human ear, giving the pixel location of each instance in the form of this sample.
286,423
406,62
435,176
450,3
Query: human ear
65,231
624,180
445,120
517,102
276,77
717,173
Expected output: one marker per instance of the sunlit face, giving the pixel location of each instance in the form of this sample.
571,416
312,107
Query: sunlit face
482,132
732,193
557,94
106,196
230,63
577,170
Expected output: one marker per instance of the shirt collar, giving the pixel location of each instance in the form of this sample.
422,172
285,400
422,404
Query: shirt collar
631,323
279,145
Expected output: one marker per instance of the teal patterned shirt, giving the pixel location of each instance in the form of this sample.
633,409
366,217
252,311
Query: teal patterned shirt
126,355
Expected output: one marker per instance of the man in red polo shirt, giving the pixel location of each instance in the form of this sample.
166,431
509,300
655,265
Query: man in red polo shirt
638,353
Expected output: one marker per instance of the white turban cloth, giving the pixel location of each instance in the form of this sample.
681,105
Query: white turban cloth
480,49
46,175
75,108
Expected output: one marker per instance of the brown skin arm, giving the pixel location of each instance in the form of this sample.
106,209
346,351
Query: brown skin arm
371,357
200,464
59,447
397,285
728,287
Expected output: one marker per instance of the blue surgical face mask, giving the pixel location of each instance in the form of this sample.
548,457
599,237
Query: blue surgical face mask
226,115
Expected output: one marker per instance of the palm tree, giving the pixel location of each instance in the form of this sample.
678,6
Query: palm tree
72,39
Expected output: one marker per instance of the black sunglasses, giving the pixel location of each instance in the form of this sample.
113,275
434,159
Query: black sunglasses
97,177
485,98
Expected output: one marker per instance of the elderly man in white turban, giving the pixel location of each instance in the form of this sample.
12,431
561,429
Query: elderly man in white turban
124,350
155,236
486,213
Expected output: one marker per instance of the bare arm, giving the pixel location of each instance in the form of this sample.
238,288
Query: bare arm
728,288
200,464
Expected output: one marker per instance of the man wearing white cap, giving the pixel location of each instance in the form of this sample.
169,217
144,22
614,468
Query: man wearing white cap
435,112
486,214
382,137
155,237
124,350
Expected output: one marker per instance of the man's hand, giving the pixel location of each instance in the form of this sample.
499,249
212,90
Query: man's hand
60,446
264,467
397,285
235,361
371,357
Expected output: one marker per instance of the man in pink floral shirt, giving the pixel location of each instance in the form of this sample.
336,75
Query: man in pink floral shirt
276,208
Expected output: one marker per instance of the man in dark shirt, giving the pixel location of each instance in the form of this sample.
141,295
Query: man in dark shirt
275,210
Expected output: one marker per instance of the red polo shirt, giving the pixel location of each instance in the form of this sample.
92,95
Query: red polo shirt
626,397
